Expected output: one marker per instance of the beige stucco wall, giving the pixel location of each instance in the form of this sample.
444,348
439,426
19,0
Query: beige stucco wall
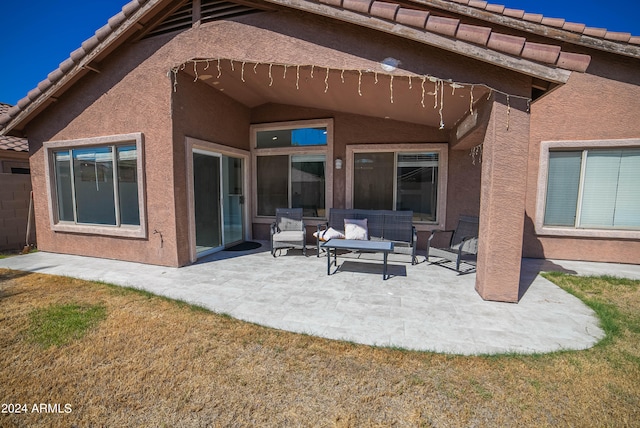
600,104
132,93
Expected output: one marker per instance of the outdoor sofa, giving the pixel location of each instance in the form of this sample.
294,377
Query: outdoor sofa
380,225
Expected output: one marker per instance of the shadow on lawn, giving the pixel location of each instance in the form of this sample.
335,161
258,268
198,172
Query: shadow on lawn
9,275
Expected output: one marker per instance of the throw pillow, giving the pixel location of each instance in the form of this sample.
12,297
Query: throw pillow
356,229
329,233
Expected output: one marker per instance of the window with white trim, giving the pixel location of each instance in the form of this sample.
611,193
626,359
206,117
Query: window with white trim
593,188
95,185
291,167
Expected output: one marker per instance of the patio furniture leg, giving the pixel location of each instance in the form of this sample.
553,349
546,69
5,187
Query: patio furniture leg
384,269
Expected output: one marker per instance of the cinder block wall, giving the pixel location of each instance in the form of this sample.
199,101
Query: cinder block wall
14,211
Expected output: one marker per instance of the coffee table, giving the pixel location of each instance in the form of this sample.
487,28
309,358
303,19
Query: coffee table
384,247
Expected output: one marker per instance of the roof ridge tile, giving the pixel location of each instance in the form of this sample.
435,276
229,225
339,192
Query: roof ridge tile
44,85
78,54
337,3
513,13
595,32
412,17
117,19
131,7
537,18
442,25
89,44
574,61
474,33
103,32
67,65
574,27
23,102
506,43
618,36
480,4
362,6
533,17
553,22
496,8
385,10
541,52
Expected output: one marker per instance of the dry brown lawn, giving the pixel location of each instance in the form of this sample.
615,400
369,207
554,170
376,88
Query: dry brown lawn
154,362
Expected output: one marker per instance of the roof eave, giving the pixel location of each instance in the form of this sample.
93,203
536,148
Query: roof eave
535,28
83,65
480,53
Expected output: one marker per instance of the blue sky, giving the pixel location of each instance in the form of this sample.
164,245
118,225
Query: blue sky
40,34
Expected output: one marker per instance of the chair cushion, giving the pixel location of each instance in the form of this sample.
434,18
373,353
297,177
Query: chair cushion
289,224
356,229
289,236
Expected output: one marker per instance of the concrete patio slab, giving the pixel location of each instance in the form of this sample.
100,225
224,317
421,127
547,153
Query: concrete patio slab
423,307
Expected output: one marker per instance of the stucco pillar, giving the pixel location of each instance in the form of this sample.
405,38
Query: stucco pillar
502,200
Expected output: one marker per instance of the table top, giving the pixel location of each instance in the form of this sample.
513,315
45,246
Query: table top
358,244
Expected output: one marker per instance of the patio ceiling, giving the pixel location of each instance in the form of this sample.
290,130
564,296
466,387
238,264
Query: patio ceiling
395,95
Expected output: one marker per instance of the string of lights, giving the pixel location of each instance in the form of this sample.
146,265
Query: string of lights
438,92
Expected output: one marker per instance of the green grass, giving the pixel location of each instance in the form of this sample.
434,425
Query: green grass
59,324
595,293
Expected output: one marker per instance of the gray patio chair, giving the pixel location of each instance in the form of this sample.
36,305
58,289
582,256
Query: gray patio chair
288,231
463,243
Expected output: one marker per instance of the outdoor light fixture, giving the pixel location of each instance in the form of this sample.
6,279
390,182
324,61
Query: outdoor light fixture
338,163
389,64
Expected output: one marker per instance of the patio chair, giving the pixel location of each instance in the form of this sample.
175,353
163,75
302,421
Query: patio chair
463,243
288,231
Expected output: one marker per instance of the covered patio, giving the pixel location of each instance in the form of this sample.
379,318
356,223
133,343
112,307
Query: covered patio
478,130
425,307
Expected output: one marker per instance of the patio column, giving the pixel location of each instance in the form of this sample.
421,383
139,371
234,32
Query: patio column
502,200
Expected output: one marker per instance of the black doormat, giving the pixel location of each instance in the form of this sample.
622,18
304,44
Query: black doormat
244,246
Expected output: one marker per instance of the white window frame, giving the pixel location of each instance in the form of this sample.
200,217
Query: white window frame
543,172
326,150
128,231
443,166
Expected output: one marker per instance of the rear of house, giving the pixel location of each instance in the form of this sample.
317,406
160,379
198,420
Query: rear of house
181,126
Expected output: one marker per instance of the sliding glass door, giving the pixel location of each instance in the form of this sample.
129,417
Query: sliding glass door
218,201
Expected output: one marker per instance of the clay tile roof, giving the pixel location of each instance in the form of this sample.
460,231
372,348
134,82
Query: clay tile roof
8,142
13,143
601,33
434,22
